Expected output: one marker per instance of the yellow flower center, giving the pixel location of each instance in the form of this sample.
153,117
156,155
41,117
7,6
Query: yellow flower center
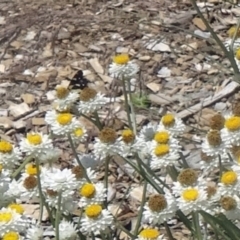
121,59
31,169
5,216
34,138
237,54
93,211
128,136
78,132
190,194
161,150
150,234
88,190
161,137
5,147
168,120
229,178
64,118
231,32
17,207
11,236
232,123
61,92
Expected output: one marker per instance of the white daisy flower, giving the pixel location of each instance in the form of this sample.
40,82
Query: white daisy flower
63,181
34,233
90,101
229,206
188,178
150,234
96,220
50,156
163,136
107,144
92,194
10,220
213,144
172,124
144,140
88,161
163,155
127,141
231,131
79,135
10,156
192,199
122,68
68,203
36,144
61,124
229,183
210,163
160,208
65,98
67,231
14,191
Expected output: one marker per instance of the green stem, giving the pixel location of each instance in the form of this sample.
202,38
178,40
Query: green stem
220,166
140,212
106,178
58,215
198,233
172,172
132,108
22,166
169,233
42,199
126,104
185,164
98,122
77,158
118,225
90,120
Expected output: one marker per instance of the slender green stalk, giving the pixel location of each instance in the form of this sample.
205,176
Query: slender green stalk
90,120
140,212
228,54
42,199
98,122
106,177
126,104
132,108
172,172
58,215
220,166
169,233
231,49
185,164
144,175
198,233
22,166
77,158
118,225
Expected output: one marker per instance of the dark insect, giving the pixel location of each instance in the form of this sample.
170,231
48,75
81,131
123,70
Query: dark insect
78,81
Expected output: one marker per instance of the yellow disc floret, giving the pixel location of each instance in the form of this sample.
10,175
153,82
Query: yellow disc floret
31,169
190,194
5,147
161,150
229,178
5,217
233,123
17,207
34,138
161,137
168,120
150,234
88,190
93,211
121,59
78,132
61,92
128,136
11,236
64,118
